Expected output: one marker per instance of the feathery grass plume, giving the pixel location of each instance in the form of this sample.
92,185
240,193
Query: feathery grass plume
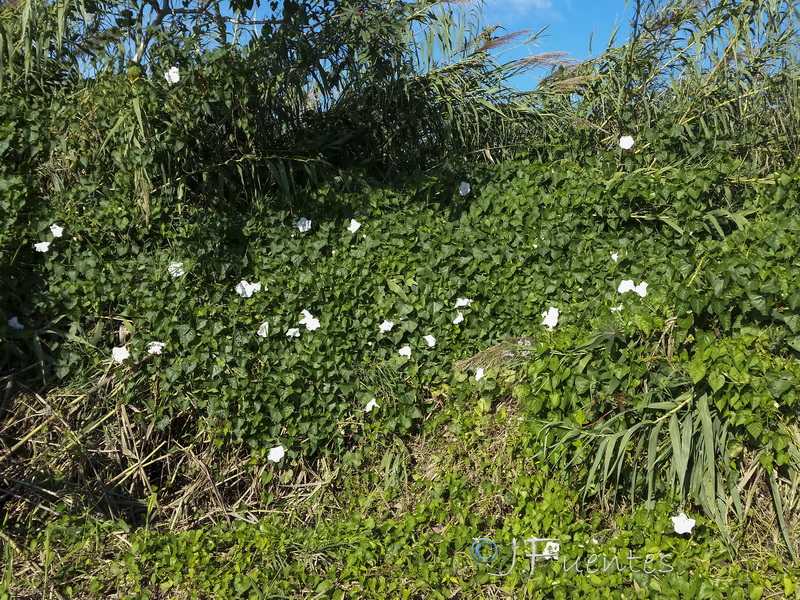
547,59
491,42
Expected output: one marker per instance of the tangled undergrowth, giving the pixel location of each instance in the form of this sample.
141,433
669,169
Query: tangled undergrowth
286,353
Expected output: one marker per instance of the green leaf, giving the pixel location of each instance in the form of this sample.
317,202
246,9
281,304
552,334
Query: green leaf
582,384
793,301
756,593
778,387
716,381
780,441
393,286
772,478
754,428
793,321
672,223
138,110
680,450
766,461
664,405
759,303
697,370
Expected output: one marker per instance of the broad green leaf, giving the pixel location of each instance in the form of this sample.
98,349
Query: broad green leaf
697,370
395,287
793,321
778,387
716,381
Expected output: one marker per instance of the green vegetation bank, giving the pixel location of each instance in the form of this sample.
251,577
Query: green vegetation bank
304,314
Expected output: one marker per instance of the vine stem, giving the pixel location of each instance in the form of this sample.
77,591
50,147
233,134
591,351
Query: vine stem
677,408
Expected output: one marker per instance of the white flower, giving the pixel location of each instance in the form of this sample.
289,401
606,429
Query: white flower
683,524
615,256
155,347
245,290
385,326
459,318
550,318
176,269
535,246
479,374
120,354
370,405
463,302
430,340
616,308
551,550
263,330
173,75
42,246
57,231
354,225
464,188
276,454
14,323
628,286
309,321
303,225
293,332
405,351
774,404
626,142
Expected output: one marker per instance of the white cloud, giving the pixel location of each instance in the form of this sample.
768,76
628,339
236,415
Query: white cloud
534,4
537,8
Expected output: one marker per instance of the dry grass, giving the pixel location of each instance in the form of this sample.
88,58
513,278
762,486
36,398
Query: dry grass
87,455
760,525
89,458
502,354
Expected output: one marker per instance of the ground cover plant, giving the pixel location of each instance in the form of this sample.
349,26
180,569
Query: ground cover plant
231,376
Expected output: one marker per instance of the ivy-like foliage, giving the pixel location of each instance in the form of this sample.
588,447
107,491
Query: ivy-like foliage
667,362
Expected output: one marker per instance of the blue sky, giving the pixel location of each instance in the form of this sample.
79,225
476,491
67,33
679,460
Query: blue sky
569,23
